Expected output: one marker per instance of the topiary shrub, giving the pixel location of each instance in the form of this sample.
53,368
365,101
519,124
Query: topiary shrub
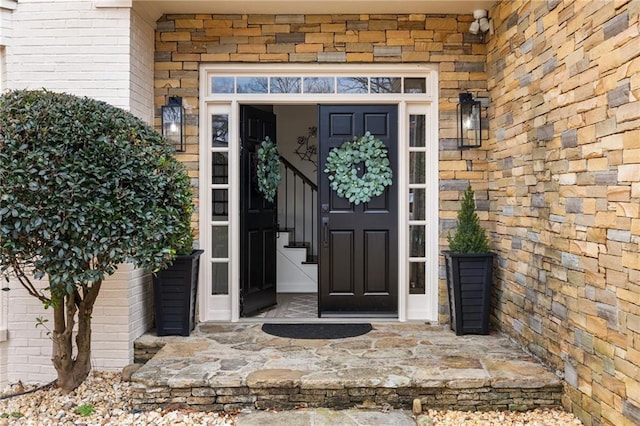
84,186
469,236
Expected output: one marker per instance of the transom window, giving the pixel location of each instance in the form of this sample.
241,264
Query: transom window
353,84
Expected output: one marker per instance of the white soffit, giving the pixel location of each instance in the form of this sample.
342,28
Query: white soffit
462,7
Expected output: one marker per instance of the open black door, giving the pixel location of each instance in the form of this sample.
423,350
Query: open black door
358,243
258,217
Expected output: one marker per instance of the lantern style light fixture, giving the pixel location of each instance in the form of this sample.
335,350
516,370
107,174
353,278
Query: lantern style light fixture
173,122
469,122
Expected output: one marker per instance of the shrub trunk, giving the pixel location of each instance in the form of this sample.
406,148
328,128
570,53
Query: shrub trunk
73,370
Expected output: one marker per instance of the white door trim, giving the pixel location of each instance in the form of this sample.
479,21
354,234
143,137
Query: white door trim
225,307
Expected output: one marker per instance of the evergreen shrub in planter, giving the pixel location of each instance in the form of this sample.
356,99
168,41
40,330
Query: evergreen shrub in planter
469,267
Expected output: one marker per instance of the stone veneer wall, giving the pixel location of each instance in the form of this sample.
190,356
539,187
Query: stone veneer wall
564,189
264,396
183,42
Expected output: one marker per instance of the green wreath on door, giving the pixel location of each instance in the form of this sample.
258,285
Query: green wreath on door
346,161
268,169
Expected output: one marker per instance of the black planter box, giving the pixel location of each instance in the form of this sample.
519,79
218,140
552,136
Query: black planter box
174,294
469,280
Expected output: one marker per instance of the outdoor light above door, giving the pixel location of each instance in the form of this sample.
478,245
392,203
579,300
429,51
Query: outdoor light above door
481,23
469,122
173,122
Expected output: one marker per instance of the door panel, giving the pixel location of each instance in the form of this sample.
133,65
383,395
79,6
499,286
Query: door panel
342,262
358,254
376,268
258,218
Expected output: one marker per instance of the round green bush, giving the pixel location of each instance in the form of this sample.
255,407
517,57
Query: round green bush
85,186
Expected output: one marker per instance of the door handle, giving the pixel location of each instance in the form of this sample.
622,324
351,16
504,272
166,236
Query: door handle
325,231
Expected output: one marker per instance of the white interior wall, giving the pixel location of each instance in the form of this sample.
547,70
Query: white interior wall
294,121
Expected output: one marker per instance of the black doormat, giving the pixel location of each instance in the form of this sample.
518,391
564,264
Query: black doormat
316,331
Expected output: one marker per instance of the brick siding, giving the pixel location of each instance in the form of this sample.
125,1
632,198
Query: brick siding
122,313
141,57
105,53
70,46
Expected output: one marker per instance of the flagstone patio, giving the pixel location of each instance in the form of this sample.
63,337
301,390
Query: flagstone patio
236,366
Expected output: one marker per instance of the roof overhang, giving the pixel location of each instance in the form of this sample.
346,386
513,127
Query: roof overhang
310,6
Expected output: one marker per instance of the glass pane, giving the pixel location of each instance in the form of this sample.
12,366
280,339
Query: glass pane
220,130
172,124
416,235
417,204
220,278
415,85
416,167
318,85
221,84
219,242
220,204
416,277
252,85
220,167
417,130
353,85
285,84
385,84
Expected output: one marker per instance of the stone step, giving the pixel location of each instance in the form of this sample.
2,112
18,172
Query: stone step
236,366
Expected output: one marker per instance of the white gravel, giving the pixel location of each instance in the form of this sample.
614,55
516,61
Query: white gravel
539,417
110,399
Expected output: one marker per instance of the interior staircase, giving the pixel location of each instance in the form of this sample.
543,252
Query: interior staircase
297,257
297,271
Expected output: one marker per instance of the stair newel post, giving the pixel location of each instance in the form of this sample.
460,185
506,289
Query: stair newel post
304,211
313,228
295,209
286,196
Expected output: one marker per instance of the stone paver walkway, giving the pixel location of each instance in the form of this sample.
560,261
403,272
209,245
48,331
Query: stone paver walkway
235,366
326,417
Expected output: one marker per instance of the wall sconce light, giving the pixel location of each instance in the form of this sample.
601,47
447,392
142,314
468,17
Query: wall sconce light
481,23
469,122
173,122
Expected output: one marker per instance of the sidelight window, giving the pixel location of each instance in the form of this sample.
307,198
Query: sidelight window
219,226
417,202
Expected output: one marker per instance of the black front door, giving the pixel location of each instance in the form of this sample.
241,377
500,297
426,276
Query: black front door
358,243
258,217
